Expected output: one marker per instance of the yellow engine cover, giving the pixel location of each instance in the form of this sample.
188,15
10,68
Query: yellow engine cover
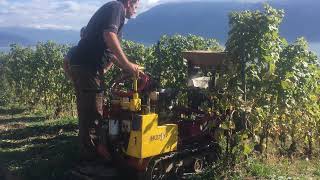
148,139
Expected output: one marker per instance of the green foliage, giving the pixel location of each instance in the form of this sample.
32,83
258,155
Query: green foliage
35,76
170,68
4,97
260,169
273,86
17,74
268,88
298,92
317,172
254,46
139,53
217,171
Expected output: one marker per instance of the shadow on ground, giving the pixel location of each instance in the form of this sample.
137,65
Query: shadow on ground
38,130
40,149
11,111
46,160
22,120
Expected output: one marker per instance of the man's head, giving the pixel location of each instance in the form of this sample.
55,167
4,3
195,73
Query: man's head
131,7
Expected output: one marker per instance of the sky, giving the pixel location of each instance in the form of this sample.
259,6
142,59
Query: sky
63,14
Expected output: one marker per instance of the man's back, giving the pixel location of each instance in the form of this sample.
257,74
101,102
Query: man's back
91,48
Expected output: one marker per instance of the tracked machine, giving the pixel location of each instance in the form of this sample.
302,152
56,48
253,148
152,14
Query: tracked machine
145,128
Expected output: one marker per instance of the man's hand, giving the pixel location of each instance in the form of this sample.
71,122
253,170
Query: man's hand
131,67
121,60
136,69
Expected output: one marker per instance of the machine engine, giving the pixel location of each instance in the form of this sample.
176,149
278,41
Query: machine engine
148,129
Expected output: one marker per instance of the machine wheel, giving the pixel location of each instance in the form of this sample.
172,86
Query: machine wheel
156,170
179,172
198,165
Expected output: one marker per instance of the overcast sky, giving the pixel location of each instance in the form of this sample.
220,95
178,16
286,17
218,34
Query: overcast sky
62,14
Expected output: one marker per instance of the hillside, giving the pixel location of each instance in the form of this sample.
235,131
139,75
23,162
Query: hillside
210,19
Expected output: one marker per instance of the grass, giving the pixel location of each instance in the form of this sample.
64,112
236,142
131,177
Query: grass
260,169
280,168
317,171
36,147
272,168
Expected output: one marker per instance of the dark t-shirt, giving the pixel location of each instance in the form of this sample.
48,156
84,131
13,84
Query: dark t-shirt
92,51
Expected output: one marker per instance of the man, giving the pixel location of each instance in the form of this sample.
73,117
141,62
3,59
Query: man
67,57
99,47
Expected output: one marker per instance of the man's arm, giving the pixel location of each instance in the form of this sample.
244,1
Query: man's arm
112,41
108,67
66,67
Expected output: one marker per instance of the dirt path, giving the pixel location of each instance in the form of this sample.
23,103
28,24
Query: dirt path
7,175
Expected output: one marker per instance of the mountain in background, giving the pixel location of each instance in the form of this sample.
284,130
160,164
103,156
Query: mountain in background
7,38
210,19
207,19
30,36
